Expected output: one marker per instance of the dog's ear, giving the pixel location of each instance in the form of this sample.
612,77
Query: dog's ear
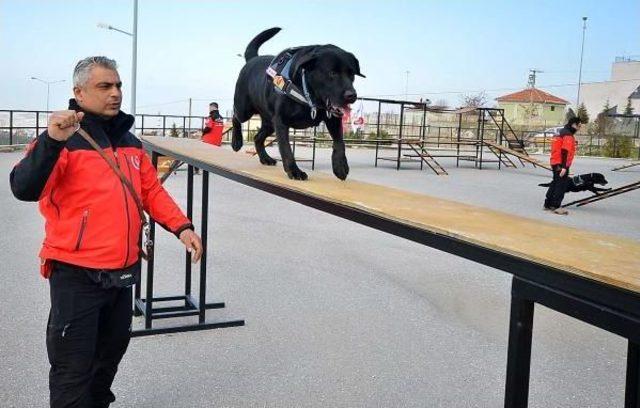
354,64
306,56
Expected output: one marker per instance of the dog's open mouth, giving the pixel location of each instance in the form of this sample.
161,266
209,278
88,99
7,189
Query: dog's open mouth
338,111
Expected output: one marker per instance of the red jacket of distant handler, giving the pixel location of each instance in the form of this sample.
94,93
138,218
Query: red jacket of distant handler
563,148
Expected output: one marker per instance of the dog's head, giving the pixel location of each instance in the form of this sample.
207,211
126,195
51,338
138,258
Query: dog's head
598,178
329,72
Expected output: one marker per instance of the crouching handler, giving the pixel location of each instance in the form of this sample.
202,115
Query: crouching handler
93,182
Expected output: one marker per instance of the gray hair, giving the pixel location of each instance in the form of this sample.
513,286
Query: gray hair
83,68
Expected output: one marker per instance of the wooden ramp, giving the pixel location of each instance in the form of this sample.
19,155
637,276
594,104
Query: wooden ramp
508,134
504,158
602,196
627,166
426,158
589,276
603,258
519,155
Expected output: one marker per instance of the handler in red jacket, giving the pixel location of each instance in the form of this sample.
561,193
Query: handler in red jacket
91,250
214,119
563,150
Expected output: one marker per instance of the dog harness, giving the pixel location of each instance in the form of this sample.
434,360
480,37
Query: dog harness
280,72
578,181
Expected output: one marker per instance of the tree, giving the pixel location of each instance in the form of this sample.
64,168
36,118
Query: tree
618,146
603,121
474,101
583,114
628,110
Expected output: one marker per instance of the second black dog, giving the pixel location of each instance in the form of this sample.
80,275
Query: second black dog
585,182
323,76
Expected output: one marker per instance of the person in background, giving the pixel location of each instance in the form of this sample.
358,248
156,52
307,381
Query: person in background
563,150
214,116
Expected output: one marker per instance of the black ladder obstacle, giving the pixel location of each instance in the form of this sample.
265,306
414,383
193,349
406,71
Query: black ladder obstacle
611,193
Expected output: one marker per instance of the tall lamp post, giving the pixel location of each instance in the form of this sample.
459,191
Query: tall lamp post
48,84
406,86
134,57
584,29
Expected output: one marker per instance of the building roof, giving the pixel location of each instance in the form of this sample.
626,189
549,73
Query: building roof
532,95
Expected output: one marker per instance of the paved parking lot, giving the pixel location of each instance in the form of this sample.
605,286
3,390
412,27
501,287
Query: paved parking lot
337,314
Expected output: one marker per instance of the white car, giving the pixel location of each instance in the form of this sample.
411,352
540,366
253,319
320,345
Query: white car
542,139
548,132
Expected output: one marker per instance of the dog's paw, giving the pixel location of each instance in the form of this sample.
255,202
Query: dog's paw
295,173
268,161
340,166
236,144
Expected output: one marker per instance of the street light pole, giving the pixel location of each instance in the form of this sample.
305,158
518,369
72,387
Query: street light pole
406,87
584,29
47,83
135,62
134,55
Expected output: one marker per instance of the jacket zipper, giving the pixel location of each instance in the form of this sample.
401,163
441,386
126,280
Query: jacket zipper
83,225
126,207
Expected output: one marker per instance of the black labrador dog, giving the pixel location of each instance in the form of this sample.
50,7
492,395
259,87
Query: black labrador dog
585,182
324,73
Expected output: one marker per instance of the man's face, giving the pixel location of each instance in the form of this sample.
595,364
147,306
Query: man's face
101,94
577,126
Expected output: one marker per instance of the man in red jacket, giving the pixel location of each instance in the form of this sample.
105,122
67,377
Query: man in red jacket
91,250
213,119
563,150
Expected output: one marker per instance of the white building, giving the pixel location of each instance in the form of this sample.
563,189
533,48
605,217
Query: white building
624,85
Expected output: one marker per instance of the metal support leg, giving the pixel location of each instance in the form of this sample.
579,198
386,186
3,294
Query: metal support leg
191,306
187,264
632,392
152,236
519,354
203,235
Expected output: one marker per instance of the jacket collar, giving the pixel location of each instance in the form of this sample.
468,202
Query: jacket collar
114,128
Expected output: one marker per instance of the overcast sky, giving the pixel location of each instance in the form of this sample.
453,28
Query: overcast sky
187,49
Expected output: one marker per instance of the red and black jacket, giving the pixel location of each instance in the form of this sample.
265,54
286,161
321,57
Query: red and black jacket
563,148
91,220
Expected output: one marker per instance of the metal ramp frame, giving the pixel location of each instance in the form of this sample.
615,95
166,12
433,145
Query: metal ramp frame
611,193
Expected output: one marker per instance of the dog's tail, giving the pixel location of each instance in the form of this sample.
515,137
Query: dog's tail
545,184
254,45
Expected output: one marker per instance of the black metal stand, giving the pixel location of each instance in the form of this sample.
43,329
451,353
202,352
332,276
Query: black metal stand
191,307
524,294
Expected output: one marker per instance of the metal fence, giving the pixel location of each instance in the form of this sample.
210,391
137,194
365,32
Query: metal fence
19,127
617,136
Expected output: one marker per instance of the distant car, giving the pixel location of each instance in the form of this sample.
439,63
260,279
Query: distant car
543,138
548,132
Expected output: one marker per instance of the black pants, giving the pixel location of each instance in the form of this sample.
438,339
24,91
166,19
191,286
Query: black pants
555,193
87,335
